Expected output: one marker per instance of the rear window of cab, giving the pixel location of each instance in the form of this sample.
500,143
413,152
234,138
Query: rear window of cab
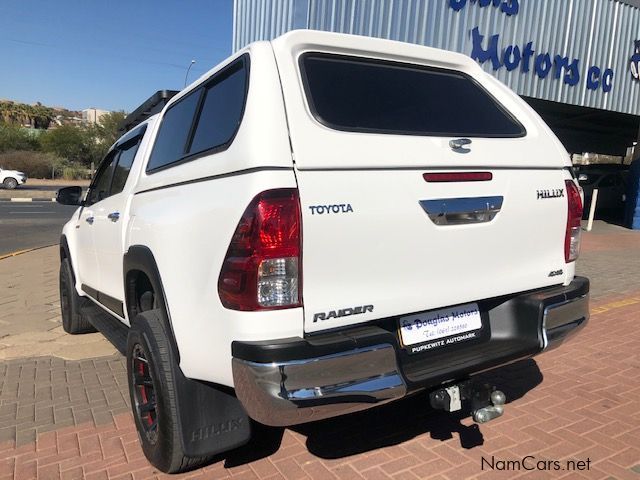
373,96
205,121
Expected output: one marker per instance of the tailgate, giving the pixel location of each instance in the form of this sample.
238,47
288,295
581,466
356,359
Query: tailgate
368,118
371,250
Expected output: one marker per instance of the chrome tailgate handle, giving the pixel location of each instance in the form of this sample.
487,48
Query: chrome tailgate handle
462,211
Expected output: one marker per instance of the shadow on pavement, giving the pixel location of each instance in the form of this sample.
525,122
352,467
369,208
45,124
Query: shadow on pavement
384,426
390,424
265,441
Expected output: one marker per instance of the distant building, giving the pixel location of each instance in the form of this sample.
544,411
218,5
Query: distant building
93,115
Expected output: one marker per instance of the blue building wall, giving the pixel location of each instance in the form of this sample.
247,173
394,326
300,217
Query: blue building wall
585,46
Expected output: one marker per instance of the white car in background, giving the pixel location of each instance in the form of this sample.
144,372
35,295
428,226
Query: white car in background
10,179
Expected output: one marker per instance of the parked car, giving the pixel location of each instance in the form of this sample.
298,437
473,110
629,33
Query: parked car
611,182
10,179
322,224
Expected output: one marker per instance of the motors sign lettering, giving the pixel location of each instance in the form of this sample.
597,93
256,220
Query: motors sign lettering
509,7
634,63
528,58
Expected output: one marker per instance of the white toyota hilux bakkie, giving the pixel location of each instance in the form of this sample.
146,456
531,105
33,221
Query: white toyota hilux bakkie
321,224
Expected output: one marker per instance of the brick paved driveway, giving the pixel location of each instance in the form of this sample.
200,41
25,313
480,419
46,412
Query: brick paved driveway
69,418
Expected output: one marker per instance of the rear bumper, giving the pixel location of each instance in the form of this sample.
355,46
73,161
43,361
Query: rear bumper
295,380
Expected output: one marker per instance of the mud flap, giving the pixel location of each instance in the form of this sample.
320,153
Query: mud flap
212,420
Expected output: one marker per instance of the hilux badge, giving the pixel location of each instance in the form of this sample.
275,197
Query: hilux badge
550,193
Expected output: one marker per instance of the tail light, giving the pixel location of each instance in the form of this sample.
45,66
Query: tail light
572,236
262,268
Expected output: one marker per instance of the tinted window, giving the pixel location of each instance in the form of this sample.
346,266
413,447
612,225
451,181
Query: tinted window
123,167
218,106
221,110
352,94
102,181
171,140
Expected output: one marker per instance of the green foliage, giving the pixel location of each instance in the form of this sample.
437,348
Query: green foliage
16,138
78,144
33,164
21,114
43,165
70,170
109,128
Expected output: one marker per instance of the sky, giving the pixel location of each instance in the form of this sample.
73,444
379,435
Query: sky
108,54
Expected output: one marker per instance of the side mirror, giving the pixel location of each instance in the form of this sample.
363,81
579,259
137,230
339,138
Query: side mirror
69,196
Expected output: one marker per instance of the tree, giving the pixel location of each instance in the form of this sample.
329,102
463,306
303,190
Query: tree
12,137
21,114
109,127
73,143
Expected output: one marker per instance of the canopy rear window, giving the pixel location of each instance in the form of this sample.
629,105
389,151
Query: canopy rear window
367,95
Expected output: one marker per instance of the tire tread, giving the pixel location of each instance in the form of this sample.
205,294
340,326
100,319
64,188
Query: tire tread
77,323
175,460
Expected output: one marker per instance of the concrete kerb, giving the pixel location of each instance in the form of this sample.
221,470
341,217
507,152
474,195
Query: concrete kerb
20,252
28,199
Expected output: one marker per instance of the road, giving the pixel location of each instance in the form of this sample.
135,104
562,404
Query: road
31,224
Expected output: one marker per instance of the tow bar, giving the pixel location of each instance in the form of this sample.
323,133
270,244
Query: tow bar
486,402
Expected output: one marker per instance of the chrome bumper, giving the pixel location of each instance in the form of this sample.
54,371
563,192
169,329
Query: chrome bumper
563,320
300,391
297,380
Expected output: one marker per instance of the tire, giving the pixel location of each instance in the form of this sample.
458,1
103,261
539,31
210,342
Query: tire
71,303
152,389
10,183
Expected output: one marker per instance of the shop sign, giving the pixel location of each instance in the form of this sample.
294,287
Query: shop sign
634,63
528,59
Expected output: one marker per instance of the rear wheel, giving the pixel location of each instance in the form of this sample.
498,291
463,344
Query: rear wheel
152,388
71,303
10,183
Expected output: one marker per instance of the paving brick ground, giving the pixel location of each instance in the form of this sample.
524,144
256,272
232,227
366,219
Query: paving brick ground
30,311
69,418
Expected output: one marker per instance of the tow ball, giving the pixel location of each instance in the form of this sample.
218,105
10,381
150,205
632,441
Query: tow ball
486,401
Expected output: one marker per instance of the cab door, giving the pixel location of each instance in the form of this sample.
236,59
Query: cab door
110,224
87,268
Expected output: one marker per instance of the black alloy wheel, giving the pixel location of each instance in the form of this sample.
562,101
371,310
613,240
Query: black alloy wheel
144,394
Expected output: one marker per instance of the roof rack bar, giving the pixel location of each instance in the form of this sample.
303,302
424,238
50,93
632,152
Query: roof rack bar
149,107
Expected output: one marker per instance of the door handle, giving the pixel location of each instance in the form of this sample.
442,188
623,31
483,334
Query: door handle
114,216
461,211
89,220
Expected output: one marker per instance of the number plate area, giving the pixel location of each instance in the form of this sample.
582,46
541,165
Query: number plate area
428,330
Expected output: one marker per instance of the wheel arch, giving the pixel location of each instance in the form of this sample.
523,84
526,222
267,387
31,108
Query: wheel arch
64,248
203,431
140,269
65,253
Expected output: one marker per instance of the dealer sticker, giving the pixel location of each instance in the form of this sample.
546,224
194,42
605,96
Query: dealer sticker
429,330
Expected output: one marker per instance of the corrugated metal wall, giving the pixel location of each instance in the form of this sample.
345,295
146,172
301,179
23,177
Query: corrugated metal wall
597,32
